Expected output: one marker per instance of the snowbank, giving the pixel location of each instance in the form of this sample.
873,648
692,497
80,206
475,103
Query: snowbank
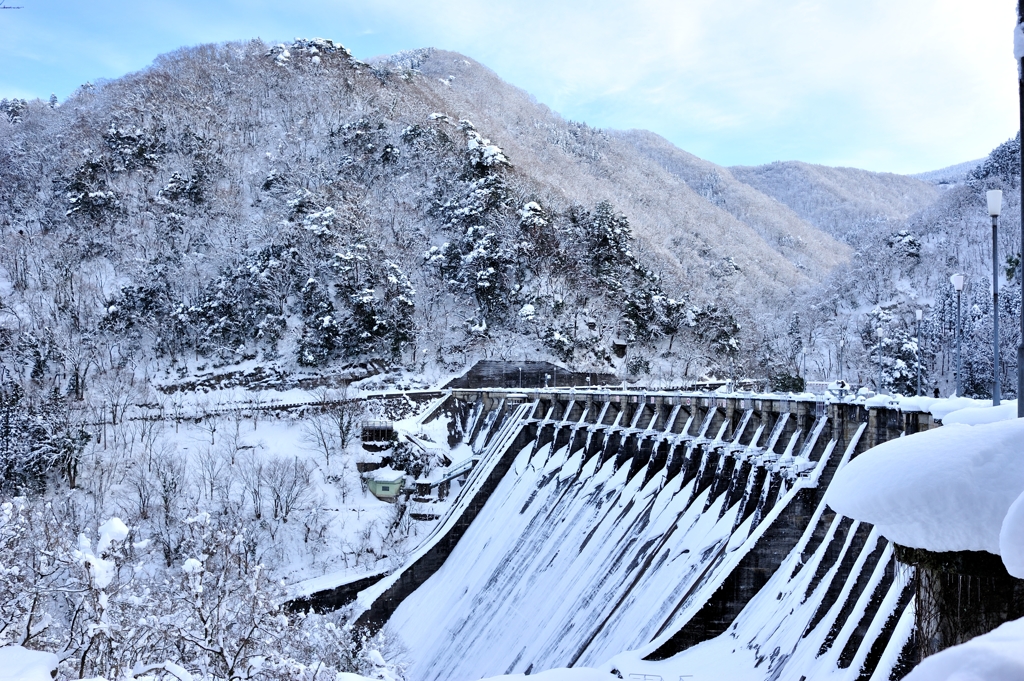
976,416
1011,538
940,409
22,664
995,656
947,489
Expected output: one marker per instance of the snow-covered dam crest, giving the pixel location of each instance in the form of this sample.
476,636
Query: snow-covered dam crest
640,531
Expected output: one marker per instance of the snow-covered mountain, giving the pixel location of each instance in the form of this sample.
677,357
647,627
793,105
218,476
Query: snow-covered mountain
197,259
840,201
291,204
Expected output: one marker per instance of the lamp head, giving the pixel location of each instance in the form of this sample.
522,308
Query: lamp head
958,282
919,314
995,201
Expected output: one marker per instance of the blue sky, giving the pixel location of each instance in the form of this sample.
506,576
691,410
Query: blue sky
890,85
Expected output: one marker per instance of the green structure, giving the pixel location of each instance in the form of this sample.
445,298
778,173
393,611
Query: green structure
385,483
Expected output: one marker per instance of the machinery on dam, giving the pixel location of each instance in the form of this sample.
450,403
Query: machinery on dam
631,527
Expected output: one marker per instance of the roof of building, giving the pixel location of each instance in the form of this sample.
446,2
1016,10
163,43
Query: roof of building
386,474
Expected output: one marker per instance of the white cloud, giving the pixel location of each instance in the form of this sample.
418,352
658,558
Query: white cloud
902,86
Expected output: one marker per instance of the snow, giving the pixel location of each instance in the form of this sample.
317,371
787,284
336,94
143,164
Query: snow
947,489
923,404
22,664
192,566
559,674
942,408
101,570
1011,538
112,530
773,637
976,416
1018,42
995,656
386,474
627,557
884,401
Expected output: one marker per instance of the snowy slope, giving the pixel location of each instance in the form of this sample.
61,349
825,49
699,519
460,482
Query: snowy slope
632,552
597,540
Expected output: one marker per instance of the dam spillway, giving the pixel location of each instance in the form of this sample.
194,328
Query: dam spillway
598,523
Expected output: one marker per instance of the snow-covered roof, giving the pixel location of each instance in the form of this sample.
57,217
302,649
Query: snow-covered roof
386,474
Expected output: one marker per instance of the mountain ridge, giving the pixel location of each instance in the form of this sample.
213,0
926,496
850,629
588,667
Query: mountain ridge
295,204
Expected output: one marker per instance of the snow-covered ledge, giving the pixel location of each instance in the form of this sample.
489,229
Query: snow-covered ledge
953,497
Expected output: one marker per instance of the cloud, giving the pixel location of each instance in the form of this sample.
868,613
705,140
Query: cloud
902,86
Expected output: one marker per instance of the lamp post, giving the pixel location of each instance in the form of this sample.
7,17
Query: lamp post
995,203
842,342
917,352
880,331
958,283
1020,348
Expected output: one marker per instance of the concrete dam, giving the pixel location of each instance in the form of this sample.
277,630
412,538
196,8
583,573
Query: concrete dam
654,532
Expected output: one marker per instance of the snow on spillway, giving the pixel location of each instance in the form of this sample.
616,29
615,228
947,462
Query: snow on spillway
995,656
947,489
568,563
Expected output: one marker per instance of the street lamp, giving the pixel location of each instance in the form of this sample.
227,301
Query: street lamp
917,352
842,342
995,203
958,283
1020,89
880,331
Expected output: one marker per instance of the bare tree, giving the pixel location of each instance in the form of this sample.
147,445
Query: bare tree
290,484
253,477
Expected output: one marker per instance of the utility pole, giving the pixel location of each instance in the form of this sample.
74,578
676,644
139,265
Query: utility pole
880,332
958,284
917,352
1018,52
995,203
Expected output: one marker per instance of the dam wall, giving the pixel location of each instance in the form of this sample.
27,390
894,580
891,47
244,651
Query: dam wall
646,529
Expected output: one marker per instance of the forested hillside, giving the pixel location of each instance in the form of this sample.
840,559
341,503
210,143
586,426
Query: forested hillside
844,202
292,208
293,205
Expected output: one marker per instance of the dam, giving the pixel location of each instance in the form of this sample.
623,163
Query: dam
638,528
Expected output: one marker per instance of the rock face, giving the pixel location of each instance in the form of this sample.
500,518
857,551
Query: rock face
959,595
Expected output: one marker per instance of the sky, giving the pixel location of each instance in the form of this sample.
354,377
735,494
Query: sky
899,86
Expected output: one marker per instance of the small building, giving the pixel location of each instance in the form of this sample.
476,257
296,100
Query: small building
385,483
377,435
